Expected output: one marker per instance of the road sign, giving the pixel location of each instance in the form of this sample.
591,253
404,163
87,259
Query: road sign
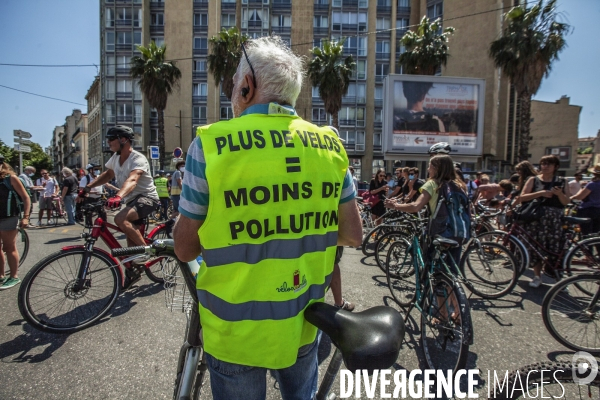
154,155
22,148
176,160
177,152
22,134
26,142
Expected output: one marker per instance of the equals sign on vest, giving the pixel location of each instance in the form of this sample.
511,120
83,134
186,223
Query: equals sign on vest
290,161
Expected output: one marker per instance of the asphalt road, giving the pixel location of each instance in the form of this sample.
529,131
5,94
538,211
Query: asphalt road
132,353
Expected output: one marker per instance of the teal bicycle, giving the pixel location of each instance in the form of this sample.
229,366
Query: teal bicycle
436,292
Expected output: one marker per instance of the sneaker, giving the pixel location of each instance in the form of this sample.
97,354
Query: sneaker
346,305
10,282
3,279
39,224
536,282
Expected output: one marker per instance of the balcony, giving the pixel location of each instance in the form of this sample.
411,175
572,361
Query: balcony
200,28
198,121
382,56
403,10
199,75
200,52
379,78
124,118
198,99
227,6
123,71
124,22
281,29
384,9
155,29
124,95
124,46
321,7
377,124
157,6
378,102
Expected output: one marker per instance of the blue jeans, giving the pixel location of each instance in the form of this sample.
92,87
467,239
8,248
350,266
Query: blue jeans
298,382
164,206
175,198
70,208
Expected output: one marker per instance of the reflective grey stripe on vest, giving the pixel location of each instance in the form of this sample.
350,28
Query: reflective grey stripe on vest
261,310
277,248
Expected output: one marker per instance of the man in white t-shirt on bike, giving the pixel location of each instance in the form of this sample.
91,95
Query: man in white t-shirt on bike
137,190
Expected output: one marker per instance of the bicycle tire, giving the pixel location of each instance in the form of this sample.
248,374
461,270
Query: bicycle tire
400,273
564,312
582,255
445,342
383,245
369,243
106,278
192,371
514,244
554,373
491,271
155,271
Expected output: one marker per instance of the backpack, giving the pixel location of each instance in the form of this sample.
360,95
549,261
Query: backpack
451,217
13,198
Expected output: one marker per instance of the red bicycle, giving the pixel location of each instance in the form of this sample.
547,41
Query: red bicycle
74,287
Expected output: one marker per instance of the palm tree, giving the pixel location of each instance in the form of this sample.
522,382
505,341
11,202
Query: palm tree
529,44
157,78
330,71
426,48
224,57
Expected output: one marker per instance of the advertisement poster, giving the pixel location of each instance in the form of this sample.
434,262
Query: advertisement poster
423,111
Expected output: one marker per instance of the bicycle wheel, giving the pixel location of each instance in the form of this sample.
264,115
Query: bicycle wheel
558,382
572,315
49,301
400,272
369,243
491,269
383,245
155,271
446,330
585,254
190,379
516,247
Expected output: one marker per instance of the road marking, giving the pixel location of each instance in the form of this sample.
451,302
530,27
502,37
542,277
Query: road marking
52,230
65,230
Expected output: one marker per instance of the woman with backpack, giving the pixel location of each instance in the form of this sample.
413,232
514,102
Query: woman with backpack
13,200
553,194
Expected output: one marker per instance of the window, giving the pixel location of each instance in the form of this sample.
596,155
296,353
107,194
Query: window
358,91
200,19
383,23
153,113
404,3
124,16
125,110
282,20
199,112
315,92
378,92
110,41
123,62
199,89
137,38
109,17
322,2
384,3
124,86
110,89
124,38
154,135
336,3
377,139
363,3
160,41
227,20
200,43
321,21
435,11
199,65
226,113
357,44
137,18
378,116
255,18
318,43
110,65
382,46
382,69
352,116
157,19
137,92
110,113
138,114
319,116
361,69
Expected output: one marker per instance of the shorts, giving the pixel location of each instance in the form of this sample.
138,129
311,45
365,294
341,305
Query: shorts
338,254
45,203
9,224
144,206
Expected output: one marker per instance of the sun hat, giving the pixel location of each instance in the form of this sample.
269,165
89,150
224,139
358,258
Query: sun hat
595,170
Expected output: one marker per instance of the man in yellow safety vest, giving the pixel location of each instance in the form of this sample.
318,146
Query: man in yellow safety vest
280,200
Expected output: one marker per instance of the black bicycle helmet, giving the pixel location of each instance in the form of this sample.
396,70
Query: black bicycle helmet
120,131
440,148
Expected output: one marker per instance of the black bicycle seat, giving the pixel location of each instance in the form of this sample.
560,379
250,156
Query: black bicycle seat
575,220
445,242
369,339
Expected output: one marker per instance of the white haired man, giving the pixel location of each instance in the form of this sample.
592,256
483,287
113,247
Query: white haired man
68,193
269,233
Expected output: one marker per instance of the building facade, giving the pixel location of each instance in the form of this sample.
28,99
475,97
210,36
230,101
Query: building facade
74,140
371,29
95,155
57,148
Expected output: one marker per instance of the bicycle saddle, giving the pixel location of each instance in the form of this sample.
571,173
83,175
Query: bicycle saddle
369,339
575,220
445,242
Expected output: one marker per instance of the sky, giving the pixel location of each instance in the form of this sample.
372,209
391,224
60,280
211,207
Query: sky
67,32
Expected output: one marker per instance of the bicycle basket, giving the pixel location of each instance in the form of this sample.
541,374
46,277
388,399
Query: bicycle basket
177,296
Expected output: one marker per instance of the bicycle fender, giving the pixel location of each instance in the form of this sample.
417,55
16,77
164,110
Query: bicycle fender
105,253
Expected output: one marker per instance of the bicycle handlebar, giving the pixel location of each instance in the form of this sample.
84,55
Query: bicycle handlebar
130,251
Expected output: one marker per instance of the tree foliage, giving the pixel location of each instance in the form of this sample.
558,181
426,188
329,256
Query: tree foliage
426,48
37,158
330,71
224,57
157,78
530,43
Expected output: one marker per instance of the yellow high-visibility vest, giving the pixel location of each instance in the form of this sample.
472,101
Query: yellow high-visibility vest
269,238
161,186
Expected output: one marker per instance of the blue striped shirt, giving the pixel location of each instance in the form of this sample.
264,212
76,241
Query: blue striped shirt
194,199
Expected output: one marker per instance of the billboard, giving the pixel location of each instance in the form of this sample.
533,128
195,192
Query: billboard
422,110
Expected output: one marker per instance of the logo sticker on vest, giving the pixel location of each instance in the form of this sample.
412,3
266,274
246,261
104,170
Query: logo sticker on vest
284,288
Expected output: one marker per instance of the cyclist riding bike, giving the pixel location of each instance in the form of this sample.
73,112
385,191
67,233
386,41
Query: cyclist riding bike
137,190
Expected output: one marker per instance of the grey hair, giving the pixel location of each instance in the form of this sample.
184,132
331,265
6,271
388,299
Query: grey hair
67,171
29,168
279,72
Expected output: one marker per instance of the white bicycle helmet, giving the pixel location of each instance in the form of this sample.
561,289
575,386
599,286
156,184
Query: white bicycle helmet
440,148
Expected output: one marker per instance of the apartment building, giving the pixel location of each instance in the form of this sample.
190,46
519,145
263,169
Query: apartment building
94,123
371,29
